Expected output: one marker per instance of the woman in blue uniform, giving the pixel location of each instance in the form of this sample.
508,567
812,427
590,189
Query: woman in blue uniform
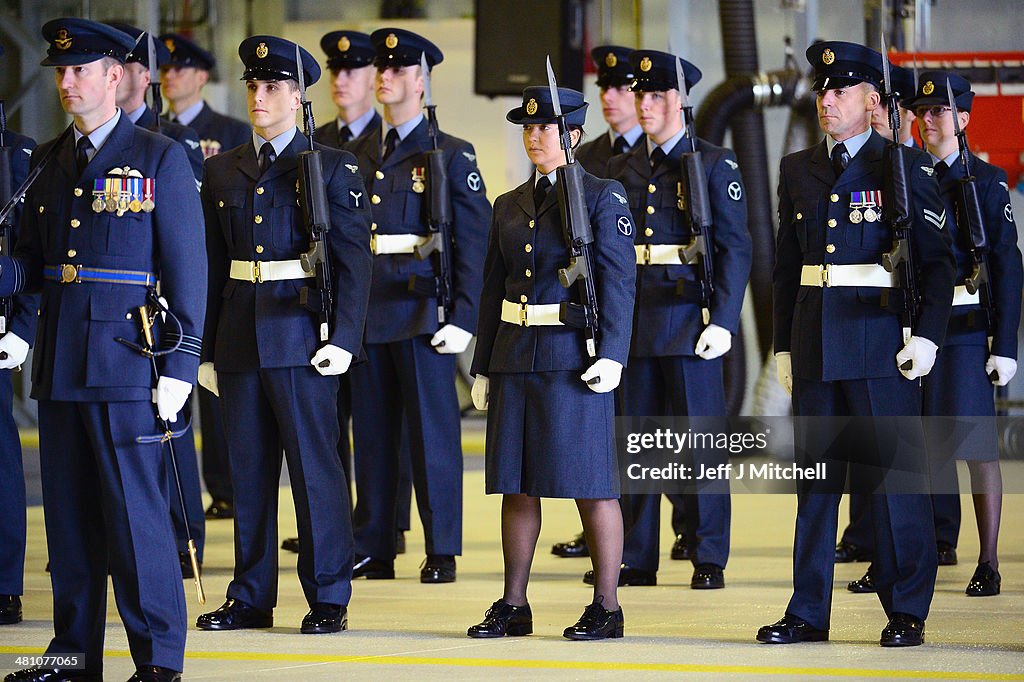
550,423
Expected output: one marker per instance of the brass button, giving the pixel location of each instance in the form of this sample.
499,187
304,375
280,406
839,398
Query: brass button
528,248
651,188
832,222
220,204
78,191
379,175
75,222
373,226
258,219
529,273
259,248
72,253
259,190
831,248
649,232
522,299
834,198
375,199
799,216
40,209
650,210
532,223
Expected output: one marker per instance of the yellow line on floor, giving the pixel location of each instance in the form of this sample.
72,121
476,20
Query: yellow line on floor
570,665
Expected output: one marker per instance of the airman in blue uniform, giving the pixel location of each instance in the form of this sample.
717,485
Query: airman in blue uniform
675,364
614,76
265,353
980,348
15,343
841,353
550,419
114,211
411,365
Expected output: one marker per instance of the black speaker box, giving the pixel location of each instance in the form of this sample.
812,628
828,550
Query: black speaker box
513,38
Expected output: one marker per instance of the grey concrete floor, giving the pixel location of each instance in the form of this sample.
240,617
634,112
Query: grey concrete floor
401,629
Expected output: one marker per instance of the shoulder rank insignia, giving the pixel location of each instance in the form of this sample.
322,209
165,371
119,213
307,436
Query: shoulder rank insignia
936,219
622,199
469,157
928,169
732,164
352,167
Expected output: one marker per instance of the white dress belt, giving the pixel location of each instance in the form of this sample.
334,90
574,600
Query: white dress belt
867,275
382,244
658,254
267,270
530,315
961,297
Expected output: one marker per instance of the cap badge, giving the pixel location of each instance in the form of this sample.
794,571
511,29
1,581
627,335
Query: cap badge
391,41
928,88
610,60
63,40
344,43
262,51
645,64
170,44
531,107
828,56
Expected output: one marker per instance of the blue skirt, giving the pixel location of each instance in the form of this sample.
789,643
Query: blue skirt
548,435
957,386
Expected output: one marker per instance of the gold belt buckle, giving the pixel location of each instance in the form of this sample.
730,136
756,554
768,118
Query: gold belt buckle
645,253
373,243
69,273
256,275
523,321
825,275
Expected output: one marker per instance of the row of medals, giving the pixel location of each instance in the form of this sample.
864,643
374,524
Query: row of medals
869,215
121,204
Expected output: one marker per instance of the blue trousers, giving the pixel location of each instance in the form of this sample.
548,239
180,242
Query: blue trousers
12,495
105,498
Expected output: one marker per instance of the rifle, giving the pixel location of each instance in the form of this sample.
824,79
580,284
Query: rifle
316,218
147,317
897,212
6,188
439,215
579,235
154,82
969,219
692,195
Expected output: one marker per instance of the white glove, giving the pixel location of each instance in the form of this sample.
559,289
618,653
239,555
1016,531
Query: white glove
208,378
171,395
784,370
450,339
16,349
331,360
714,342
607,372
481,392
921,354
1004,368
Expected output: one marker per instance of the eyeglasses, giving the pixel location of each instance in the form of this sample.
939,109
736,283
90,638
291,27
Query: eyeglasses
936,111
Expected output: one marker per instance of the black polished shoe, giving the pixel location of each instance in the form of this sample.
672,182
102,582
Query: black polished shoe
985,582
628,576
791,630
438,568
373,569
596,623
504,619
290,545
325,618
707,577
680,549
946,554
903,630
220,509
865,585
10,609
847,552
51,675
235,615
154,673
577,547
400,542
